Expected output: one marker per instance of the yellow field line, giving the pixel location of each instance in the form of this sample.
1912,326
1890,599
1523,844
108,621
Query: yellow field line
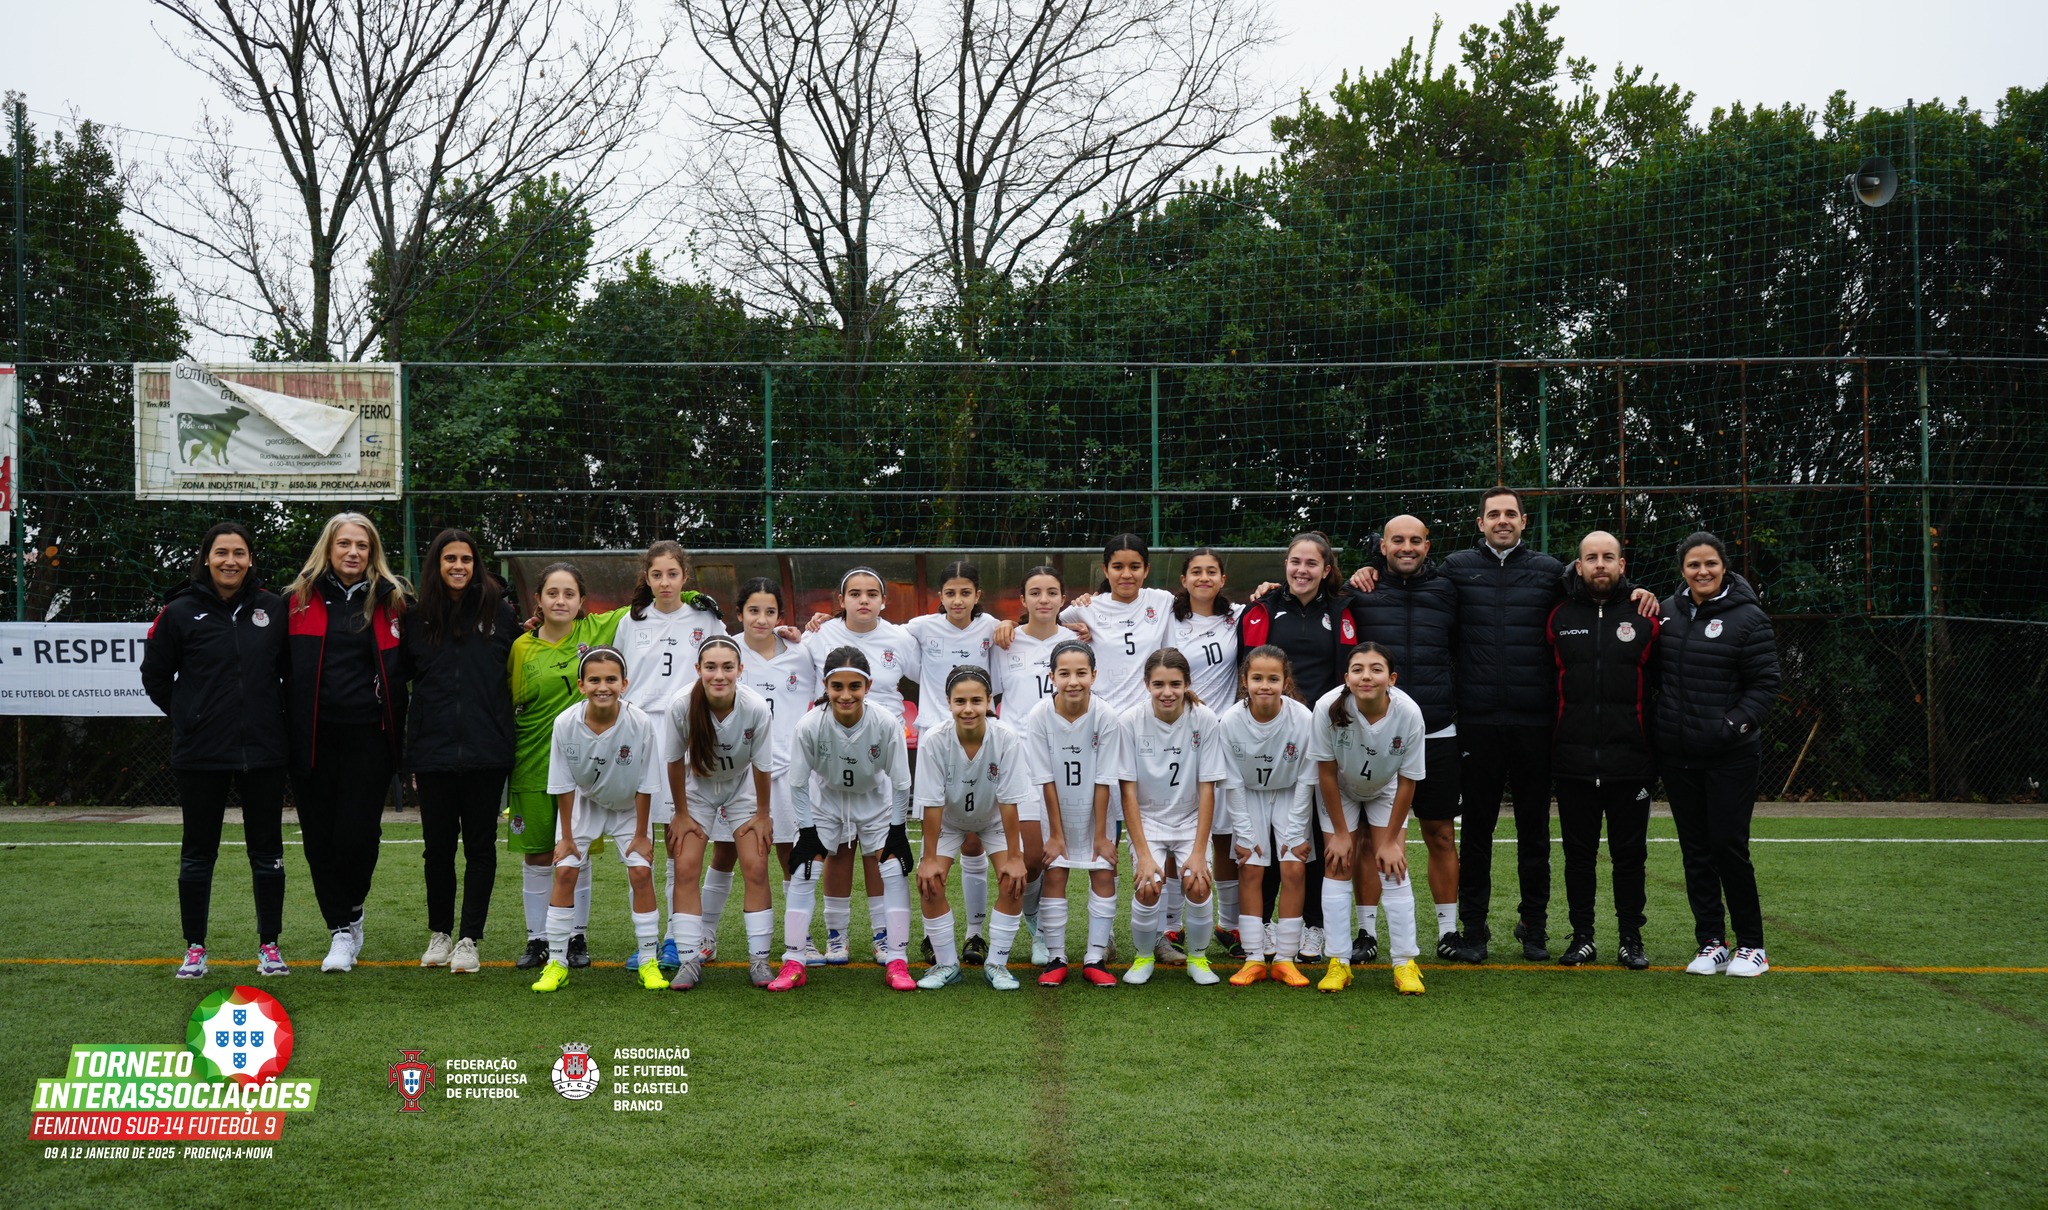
869,966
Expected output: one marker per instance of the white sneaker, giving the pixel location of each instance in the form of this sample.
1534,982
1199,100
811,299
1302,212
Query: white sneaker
709,950
880,940
462,960
1749,962
1712,959
811,955
1311,945
194,966
341,955
1040,955
439,948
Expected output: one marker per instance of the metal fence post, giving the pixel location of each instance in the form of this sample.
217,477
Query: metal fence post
1156,541
20,357
404,468
1543,458
1926,461
767,457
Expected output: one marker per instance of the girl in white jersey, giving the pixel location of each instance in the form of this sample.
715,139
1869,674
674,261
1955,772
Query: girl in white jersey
720,742
659,634
1267,733
1174,758
970,782
1024,653
857,753
1076,748
892,657
1367,740
1204,629
603,766
957,636
1126,621
783,674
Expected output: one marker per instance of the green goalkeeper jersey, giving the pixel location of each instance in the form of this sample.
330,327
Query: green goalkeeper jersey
543,681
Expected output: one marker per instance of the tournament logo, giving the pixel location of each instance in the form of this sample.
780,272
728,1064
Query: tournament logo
411,1077
1714,629
1626,632
260,617
242,1034
575,1076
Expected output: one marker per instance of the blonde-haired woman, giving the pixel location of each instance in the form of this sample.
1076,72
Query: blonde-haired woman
346,698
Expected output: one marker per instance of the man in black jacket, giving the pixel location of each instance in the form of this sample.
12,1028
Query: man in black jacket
1601,753
1413,612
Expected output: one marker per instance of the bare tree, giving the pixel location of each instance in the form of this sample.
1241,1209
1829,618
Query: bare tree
797,104
401,127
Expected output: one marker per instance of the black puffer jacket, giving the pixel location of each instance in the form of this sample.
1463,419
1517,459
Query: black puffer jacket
459,715
1717,675
1603,652
1504,667
1416,617
217,668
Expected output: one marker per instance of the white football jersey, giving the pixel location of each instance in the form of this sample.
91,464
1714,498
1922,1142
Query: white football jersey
892,658
942,647
606,769
1169,762
745,741
1123,635
969,787
789,684
1370,756
1211,647
661,652
1024,670
1076,757
849,761
1269,758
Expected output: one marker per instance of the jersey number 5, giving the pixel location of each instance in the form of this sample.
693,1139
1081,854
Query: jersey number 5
1130,643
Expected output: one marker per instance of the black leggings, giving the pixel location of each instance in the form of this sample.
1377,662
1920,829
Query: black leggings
1712,808
460,807
203,800
341,815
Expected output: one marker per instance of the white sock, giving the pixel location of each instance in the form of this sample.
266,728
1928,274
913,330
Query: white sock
1368,920
1287,939
1446,918
583,897
895,910
561,922
797,904
1226,902
1399,898
717,889
1175,902
687,932
974,891
1201,922
1002,937
838,915
878,916
647,931
1101,925
1052,925
1032,897
1337,917
668,901
536,886
1145,925
1251,933
760,932
945,946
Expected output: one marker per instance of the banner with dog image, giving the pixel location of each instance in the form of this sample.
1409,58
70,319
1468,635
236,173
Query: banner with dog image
299,431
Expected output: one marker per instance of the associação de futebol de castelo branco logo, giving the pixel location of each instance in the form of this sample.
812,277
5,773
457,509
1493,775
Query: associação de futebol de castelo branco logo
226,1083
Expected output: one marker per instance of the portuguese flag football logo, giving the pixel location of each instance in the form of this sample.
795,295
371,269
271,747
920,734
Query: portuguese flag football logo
243,1034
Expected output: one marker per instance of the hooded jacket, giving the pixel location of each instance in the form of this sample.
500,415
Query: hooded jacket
1603,653
309,625
217,668
1504,665
459,715
1416,618
1717,675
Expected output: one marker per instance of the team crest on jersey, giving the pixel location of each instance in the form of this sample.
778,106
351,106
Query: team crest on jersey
625,754
1626,632
792,680
985,644
1287,753
1197,733
582,649
519,825
1396,747
888,657
394,628
994,774
874,751
1348,630
1095,740
697,635
1714,629
260,617
1151,614
747,736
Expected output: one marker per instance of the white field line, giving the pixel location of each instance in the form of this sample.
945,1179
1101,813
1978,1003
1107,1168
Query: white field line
172,844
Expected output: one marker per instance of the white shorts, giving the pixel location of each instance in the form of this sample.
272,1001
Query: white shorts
1078,827
661,805
1269,817
843,820
1378,813
1180,848
590,823
719,816
781,807
993,840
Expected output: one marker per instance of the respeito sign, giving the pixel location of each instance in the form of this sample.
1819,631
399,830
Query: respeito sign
281,431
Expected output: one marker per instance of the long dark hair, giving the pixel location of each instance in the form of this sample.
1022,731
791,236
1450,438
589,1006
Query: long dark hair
202,573
450,617
1340,706
1131,542
1332,578
1183,604
703,728
643,593
961,569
